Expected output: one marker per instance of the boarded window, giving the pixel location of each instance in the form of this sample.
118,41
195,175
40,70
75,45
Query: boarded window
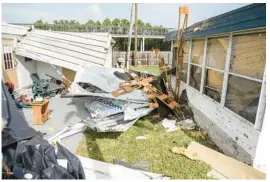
213,84
195,77
249,55
197,51
216,52
243,97
8,57
184,72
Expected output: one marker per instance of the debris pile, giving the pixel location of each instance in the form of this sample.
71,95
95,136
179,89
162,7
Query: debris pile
116,98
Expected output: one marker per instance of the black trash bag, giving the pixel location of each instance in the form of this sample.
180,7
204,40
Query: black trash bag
56,172
38,159
74,165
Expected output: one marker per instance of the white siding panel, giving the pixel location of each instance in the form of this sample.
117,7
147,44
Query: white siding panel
240,130
54,51
62,55
64,43
96,42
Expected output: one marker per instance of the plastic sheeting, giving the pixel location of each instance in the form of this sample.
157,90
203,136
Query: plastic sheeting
37,159
17,128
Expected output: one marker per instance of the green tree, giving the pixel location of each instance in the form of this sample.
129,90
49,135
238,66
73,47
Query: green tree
124,23
107,22
140,23
116,22
98,23
90,22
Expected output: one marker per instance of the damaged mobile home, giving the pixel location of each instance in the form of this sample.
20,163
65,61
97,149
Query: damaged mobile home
224,75
28,51
222,91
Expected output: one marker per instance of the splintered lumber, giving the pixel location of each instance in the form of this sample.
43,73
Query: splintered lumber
225,165
152,93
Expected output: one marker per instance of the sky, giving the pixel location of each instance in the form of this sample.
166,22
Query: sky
156,14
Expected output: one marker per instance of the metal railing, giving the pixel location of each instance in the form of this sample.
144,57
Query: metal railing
146,58
115,30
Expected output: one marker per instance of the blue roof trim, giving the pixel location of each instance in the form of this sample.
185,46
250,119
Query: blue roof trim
247,17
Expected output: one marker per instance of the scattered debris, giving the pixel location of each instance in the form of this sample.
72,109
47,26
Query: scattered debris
169,124
187,124
68,131
198,134
141,138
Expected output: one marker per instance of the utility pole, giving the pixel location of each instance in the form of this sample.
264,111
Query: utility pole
129,37
136,33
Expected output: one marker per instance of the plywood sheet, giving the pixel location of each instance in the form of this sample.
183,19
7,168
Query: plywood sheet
216,52
197,51
248,55
225,165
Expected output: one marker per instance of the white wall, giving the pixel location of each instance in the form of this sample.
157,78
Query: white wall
24,71
241,131
262,152
109,60
45,68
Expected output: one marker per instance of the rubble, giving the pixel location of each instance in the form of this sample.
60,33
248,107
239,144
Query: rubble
169,124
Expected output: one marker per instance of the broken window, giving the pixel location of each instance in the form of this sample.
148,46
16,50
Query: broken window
249,55
216,52
195,77
243,97
213,84
197,51
8,57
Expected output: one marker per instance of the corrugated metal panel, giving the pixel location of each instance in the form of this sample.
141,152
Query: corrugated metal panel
13,29
66,49
248,17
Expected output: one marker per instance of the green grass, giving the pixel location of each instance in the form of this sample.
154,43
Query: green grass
155,149
149,69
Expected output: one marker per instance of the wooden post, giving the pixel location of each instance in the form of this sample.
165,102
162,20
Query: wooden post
129,37
136,34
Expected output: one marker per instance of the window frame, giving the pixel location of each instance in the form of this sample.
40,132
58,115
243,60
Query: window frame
11,57
226,73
